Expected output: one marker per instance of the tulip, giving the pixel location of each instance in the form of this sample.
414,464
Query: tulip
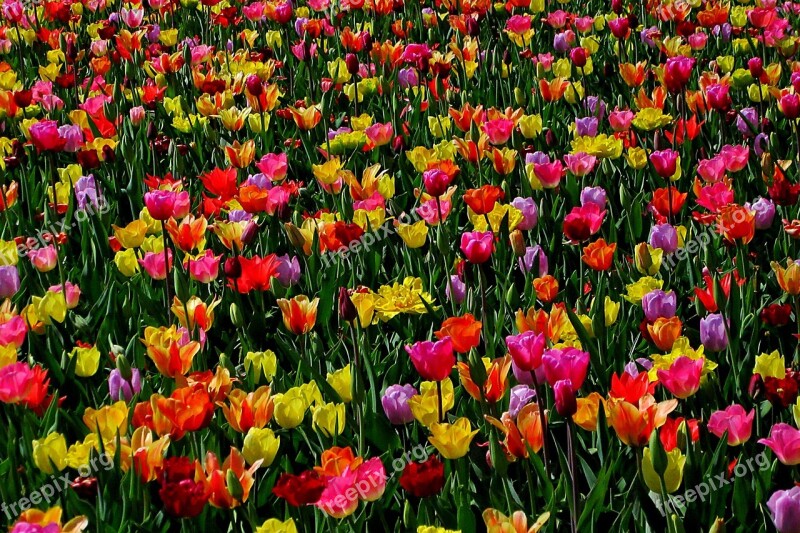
123,388
534,255
677,71
46,137
784,440
248,410
568,364
789,277
290,408
433,360
530,212
521,395
764,212
657,304
436,181
44,259
548,174
594,195
329,418
784,508
165,204
50,453
464,332
477,246
713,334
665,162
526,349
260,444
299,313
395,403
88,360
664,236
734,420
9,281
683,377
452,440
673,475
424,479
665,331
566,404
456,290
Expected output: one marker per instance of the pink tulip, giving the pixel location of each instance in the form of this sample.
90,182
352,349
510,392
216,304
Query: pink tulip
579,164
735,420
566,364
477,246
371,479
380,134
205,268
526,349
274,166
498,130
549,174
621,120
45,137
665,162
711,170
431,210
433,360
735,157
163,204
339,499
436,181
784,440
44,259
683,377
153,264
15,381
12,332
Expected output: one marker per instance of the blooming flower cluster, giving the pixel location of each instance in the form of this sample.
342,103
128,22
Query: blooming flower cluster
258,251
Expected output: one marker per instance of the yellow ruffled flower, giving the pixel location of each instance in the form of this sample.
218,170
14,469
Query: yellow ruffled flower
770,365
636,158
651,118
636,291
405,298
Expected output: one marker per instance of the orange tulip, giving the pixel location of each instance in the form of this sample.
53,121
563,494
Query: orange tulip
148,455
306,118
299,313
664,332
195,312
464,331
789,277
737,223
188,408
546,288
494,388
248,410
216,479
241,155
253,198
148,415
586,415
553,90
525,432
189,234
504,160
171,352
632,75
634,423
599,255
334,461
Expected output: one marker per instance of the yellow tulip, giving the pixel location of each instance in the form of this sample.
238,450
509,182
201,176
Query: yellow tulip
452,440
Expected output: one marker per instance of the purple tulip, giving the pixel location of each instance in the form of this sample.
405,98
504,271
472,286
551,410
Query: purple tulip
747,121
784,506
658,304
537,158
534,255
594,195
288,272
86,193
586,126
521,395
121,389
408,77
459,289
596,107
530,212
395,403
712,332
664,236
9,281
765,212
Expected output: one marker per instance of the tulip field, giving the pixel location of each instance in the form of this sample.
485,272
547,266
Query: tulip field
400,265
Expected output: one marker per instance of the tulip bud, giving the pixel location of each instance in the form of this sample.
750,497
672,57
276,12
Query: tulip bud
225,361
253,85
566,404
249,233
351,61
578,57
234,486
294,235
518,243
657,454
236,316
550,138
756,67
409,515
718,526
347,311
124,367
